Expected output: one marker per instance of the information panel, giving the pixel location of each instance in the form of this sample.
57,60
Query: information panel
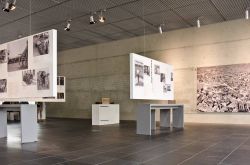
150,79
28,67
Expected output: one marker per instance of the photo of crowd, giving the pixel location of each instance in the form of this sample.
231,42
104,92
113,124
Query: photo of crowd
43,79
157,69
18,55
3,85
41,44
147,70
163,77
223,88
29,77
3,56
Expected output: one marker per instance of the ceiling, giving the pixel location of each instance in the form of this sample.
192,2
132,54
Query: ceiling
125,18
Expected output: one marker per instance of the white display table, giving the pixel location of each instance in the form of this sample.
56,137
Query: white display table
103,114
146,117
29,126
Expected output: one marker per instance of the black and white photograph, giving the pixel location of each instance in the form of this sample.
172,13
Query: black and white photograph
223,88
163,77
60,95
139,75
165,88
41,44
61,80
3,85
58,81
3,56
147,70
43,77
157,69
169,89
18,55
29,77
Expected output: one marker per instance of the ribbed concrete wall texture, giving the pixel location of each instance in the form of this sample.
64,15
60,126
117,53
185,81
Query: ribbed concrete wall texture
102,70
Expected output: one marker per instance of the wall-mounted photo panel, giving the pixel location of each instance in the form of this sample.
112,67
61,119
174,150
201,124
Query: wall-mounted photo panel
150,79
223,88
29,66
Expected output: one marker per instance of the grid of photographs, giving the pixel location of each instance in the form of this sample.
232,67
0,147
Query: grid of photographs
23,62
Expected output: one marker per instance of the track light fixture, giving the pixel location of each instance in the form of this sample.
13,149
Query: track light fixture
198,22
9,5
6,7
160,29
247,13
13,5
92,19
102,18
67,27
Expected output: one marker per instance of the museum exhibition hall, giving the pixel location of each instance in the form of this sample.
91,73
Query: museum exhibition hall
125,82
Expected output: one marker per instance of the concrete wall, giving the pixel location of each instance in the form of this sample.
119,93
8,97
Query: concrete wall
103,70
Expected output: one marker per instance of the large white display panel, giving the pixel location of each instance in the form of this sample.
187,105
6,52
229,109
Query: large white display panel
150,79
28,67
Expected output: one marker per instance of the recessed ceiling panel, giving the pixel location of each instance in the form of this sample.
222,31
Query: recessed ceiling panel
201,10
232,9
144,7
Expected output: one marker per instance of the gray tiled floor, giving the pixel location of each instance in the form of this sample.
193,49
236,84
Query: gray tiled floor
76,142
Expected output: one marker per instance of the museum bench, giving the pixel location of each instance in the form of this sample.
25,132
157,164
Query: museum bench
145,116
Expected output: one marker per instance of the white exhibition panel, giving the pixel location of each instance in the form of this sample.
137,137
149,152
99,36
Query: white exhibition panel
29,67
150,79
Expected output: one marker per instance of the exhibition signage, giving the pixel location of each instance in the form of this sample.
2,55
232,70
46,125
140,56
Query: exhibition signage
150,79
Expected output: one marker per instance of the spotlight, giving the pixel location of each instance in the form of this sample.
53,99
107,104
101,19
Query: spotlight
160,29
198,23
67,27
6,7
102,19
247,14
13,5
92,19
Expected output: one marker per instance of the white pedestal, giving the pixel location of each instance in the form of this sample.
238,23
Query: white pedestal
103,114
28,121
3,123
